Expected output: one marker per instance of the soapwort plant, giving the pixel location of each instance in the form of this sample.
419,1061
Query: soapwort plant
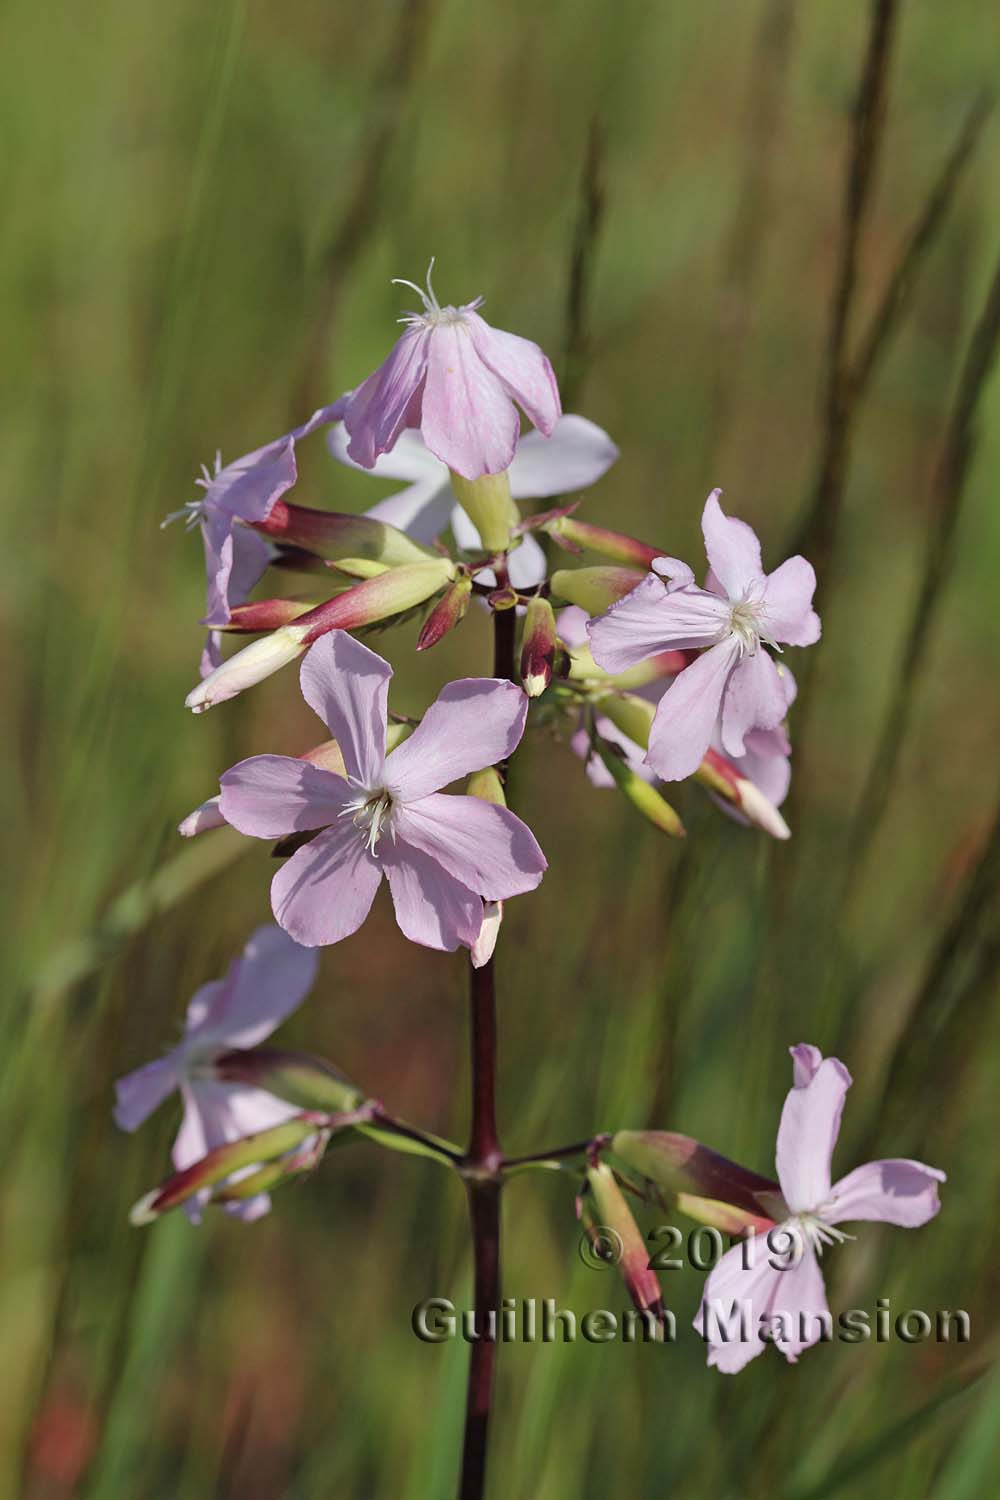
650,675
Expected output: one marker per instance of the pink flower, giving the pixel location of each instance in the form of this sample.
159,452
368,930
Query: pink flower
735,682
776,1281
576,455
246,490
443,856
456,379
260,989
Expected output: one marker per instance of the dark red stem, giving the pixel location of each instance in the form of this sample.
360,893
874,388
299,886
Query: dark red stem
483,1164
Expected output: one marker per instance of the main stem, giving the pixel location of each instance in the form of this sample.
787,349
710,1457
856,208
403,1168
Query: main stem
482,1168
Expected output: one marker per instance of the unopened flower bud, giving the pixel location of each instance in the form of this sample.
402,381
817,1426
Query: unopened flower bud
310,1082
704,1184
487,786
375,599
643,797
487,503
333,535
722,778
248,667
611,544
266,614
448,612
251,1151
595,589
208,815
614,1233
538,646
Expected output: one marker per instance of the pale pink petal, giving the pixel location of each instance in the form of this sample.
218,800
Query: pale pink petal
732,547
271,795
348,687
467,419
217,540
576,455
896,1192
423,511
805,1061
736,1295
571,623
389,400
650,619
799,1312
270,979
526,565
140,1092
754,699
522,369
475,722
248,487
484,846
325,890
432,907
676,573
787,614
410,459
810,1124
766,763
682,729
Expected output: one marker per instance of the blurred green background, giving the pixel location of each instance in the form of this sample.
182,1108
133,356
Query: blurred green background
203,208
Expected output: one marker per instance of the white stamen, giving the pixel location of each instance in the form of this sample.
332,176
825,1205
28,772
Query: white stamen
433,313
371,812
817,1230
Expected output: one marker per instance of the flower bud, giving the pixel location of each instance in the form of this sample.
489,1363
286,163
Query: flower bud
375,599
265,614
610,544
310,1082
538,646
643,797
613,1230
703,1183
252,1150
207,816
331,534
248,667
595,589
487,503
448,612
716,773
487,786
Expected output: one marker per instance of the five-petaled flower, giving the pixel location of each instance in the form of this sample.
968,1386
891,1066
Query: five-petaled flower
260,989
443,856
455,378
576,455
735,683
785,1294
237,495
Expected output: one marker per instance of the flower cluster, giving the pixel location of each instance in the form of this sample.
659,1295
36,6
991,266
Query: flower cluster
649,677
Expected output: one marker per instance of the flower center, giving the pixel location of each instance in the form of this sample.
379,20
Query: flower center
745,626
371,812
816,1231
433,315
